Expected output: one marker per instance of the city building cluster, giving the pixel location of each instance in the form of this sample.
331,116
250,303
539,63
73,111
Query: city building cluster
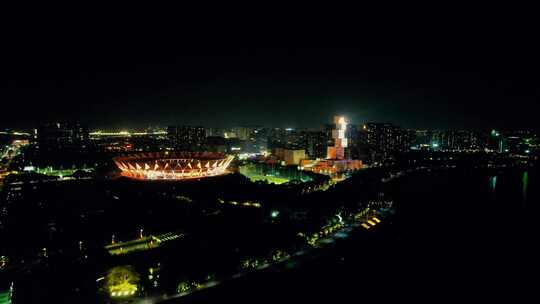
332,149
168,187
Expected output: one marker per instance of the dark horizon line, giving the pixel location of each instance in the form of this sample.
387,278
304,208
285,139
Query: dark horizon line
97,127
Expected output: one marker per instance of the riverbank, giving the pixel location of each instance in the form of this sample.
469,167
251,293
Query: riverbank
455,235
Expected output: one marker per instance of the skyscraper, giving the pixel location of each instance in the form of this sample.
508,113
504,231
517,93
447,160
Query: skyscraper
316,144
338,159
244,132
337,150
64,136
385,139
186,138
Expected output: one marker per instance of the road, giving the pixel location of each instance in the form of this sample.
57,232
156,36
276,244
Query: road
9,154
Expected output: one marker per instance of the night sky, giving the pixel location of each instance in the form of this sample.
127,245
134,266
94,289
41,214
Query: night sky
456,78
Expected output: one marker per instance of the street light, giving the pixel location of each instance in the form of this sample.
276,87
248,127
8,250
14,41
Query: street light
274,214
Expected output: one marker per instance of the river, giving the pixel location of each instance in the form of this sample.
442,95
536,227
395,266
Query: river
457,235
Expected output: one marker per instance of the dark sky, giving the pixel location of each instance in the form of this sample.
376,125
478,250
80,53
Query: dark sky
470,76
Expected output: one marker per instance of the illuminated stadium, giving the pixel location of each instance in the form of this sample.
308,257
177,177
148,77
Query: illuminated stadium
172,165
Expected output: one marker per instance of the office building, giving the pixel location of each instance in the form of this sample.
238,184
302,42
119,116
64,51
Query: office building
386,139
62,136
186,138
339,140
316,144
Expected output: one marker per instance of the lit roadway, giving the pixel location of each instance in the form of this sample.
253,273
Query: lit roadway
125,133
14,147
364,222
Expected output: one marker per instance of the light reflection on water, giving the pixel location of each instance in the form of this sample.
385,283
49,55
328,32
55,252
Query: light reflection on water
493,184
525,182
524,188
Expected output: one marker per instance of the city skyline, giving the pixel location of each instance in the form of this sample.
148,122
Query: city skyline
323,161
317,126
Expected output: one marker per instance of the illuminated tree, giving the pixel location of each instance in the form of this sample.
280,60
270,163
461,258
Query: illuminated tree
122,281
183,287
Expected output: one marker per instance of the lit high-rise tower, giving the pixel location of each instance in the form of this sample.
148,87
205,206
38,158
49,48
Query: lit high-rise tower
336,163
337,151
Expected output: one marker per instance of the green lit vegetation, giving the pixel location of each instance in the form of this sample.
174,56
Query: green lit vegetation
275,256
5,297
268,178
122,281
366,217
328,229
275,174
188,286
50,171
279,255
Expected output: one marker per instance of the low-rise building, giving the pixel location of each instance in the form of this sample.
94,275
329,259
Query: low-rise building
290,156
